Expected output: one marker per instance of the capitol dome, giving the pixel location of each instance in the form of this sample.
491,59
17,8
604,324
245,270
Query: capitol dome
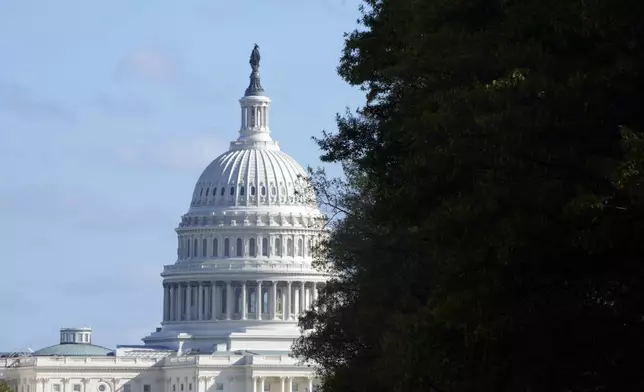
244,270
251,177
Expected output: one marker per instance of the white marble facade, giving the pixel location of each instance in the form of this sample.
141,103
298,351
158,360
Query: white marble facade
243,273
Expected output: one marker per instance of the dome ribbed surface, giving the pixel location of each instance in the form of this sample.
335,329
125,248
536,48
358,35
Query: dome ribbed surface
251,176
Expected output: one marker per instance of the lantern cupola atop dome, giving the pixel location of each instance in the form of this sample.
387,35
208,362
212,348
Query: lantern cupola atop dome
254,131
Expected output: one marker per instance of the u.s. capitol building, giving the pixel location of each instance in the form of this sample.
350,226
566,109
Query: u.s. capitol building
231,300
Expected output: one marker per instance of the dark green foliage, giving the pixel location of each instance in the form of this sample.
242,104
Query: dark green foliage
493,216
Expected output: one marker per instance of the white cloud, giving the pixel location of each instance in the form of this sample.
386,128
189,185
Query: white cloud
173,152
151,65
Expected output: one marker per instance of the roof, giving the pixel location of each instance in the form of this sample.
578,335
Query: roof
74,350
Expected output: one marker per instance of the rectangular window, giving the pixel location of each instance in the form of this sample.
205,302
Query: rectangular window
77,388
127,388
294,387
147,388
182,387
267,387
220,386
190,386
55,387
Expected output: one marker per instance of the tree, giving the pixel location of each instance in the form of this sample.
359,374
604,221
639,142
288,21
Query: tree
4,387
493,215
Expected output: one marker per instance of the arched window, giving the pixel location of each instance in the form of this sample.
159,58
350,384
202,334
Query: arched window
300,247
264,246
232,190
201,193
204,247
252,190
223,190
282,191
240,247
214,191
252,247
289,247
273,191
226,247
278,247
308,248
215,247
207,191
187,248
195,248
263,190
242,191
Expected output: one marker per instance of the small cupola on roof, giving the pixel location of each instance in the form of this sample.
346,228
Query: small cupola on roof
81,335
254,131
74,342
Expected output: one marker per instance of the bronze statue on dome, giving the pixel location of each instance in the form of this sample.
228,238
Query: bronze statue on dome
254,58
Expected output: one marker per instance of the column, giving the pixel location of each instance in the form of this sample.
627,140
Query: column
200,290
261,384
302,297
289,384
296,301
165,302
229,297
65,381
180,308
315,294
284,303
254,383
213,300
274,301
258,302
282,384
310,384
189,301
243,301
288,301
173,302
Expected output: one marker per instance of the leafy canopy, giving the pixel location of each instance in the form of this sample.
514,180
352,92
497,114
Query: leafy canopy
493,213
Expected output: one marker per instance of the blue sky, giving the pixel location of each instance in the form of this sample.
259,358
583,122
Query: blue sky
109,111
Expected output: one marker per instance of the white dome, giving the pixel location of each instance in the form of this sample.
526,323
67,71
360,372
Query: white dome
250,234
251,177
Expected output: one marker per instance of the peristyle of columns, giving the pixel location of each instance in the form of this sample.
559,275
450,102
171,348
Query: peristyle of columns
237,300
258,383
